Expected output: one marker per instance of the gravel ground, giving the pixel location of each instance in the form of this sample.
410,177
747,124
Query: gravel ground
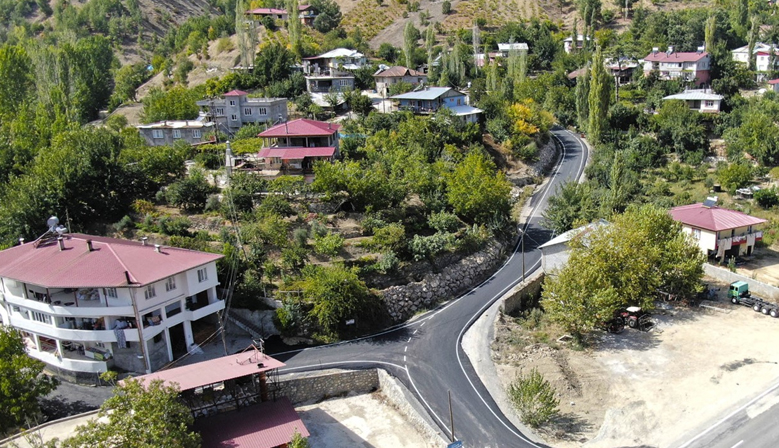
71,399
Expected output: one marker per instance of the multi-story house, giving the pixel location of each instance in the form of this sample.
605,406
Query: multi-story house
693,67
568,44
429,100
332,71
387,76
166,133
764,61
505,49
85,304
236,109
293,147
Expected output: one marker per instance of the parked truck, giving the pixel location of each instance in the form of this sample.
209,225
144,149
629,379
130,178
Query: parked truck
739,294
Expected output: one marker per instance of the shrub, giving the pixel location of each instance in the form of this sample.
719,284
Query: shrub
126,223
370,223
174,226
387,263
277,205
443,222
767,198
734,176
300,237
224,44
391,237
534,398
190,193
426,247
290,317
143,207
213,204
446,7
329,245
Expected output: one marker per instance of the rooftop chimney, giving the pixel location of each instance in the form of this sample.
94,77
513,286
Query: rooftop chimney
89,245
61,243
144,239
127,276
670,49
157,248
21,241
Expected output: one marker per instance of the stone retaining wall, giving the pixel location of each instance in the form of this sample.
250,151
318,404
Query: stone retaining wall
310,387
405,300
523,295
757,288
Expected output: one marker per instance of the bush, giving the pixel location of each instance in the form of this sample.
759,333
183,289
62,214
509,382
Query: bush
534,398
190,193
300,237
174,226
277,205
391,237
387,263
213,204
427,247
446,7
734,176
290,317
443,222
767,198
126,223
329,245
370,223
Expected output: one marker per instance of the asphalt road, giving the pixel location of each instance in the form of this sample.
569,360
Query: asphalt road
426,355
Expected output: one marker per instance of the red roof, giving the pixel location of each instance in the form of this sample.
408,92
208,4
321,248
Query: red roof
774,81
265,425
302,127
297,152
236,93
676,57
109,263
714,218
215,370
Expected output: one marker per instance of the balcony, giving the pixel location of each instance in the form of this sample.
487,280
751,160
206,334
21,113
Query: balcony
70,309
72,361
211,308
105,336
741,239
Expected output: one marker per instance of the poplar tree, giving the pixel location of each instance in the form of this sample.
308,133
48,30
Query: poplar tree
293,27
582,98
710,33
599,96
429,44
409,42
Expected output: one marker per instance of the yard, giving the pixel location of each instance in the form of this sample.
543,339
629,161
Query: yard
646,388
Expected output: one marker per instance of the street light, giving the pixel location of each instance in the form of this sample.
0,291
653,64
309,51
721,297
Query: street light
522,243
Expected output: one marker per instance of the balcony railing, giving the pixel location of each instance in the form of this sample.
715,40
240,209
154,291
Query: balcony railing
741,239
71,361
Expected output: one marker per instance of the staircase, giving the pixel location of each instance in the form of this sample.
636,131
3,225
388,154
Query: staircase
246,325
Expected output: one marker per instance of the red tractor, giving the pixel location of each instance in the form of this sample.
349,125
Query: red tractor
635,317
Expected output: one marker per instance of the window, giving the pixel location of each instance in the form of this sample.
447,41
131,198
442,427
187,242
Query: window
202,275
344,82
111,292
232,102
696,234
247,110
219,111
195,133
263,111
709,103
170,285
150,292
40,317
234,117
177,133
157,133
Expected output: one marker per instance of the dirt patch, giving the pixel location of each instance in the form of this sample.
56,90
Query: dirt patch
763,266
647,388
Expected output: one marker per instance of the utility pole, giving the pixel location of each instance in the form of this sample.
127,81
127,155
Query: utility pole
451,415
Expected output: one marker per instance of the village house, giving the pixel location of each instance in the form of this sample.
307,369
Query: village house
762,58
429,100
701,100
85,303
236,109
568,42
306,14
332,71
166,133
719,232
692,67
774,85
293,147
555,252
387,76
506,48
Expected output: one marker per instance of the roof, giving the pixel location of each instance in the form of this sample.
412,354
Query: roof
428,93
297,152
397,71
579,38
302,127
265,425
215,370
267,11
676,56
714,218
515,46
177,124
236,93
339,53
695,95
578,72
564,237
464,110
760,47
774,81
109,264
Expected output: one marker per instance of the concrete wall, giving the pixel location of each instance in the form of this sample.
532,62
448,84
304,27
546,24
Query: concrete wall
308,387
757,288
523,295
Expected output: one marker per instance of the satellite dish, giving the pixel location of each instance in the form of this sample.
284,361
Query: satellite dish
52,222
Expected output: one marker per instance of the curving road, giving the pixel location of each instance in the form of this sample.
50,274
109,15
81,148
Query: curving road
426,355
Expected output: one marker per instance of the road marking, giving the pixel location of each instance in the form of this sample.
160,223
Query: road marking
405,349
423,324
404,358
724,419
415,331
409,339
739,443
421,397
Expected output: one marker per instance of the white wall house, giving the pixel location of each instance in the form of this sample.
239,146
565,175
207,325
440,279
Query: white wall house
701,100
555,252
85,304
762,57
685,66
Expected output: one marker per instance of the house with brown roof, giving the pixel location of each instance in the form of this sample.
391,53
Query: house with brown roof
719,231
687,66
306,14
85,303
236,108
386,77
293,147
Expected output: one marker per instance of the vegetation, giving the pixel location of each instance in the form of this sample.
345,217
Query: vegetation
534,398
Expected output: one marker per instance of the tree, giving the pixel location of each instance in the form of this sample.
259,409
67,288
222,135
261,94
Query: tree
293,27
387,52
572,205
139,415
534,398
191,193
177,103
734,176
622,264
359,103
599,97
272,64
680,128
329,15
446,7
246,41
410,36
15,71
582,99
757,136
476,192
128,79
22,381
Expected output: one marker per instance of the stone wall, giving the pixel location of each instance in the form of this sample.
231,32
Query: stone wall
407,404
309,387
523,295
759,289
405,300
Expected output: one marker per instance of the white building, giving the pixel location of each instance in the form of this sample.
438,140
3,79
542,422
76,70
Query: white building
701,100
166,133
505,49
568,42
761,54
85,304
555,252
332,71
686,66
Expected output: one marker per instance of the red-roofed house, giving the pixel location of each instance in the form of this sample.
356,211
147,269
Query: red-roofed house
774,83
293,147
236,109
679,65
720,232
86,303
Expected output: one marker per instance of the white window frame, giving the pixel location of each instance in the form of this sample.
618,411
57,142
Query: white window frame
177,133
709,103
149,292
234,117
157,133
170,284
263,111
40,317
111,292
696,234
195,133
219,111
202,275
232,102
247,110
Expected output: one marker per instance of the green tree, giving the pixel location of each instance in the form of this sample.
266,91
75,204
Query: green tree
328,15
757,135
582,99
191,193
534,398
572,205
622,264
410,36
446,7
139,415
599,97
476,191
273,64
22,381
177,103
16,73
680,128
734,176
